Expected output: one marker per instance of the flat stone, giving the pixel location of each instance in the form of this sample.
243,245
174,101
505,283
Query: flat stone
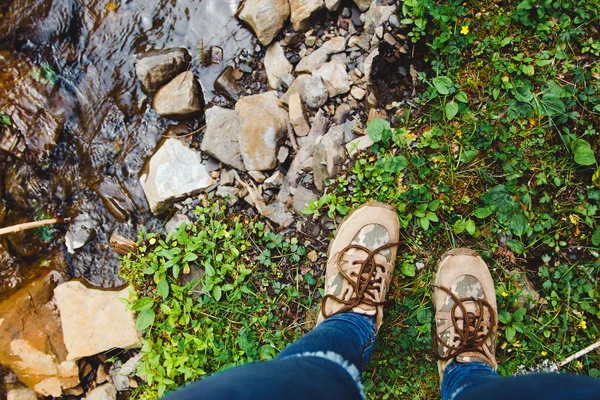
81,230
328,157
175,222
257,176
335,77
174,171
180,98
221,136
301,12
297,87
297,115
276,65
319,57
265,17
156,68
226,84
228,192
358,93
264,125
108,391
357,145
274,181
278,213
227,177
302,198
315,92
283,154
94,321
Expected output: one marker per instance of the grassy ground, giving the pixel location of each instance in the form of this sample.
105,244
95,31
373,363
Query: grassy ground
499,156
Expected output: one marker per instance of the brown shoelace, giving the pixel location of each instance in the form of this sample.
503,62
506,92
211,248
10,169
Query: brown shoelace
363,283
472,335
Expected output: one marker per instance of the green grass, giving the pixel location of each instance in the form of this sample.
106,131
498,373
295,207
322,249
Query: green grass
498,155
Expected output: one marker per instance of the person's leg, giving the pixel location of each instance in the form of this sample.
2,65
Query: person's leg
458,377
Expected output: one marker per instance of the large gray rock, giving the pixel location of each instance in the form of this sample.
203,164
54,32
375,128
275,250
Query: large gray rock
315,92
264,125
265,17
175,171
180,98
156,68
221,136
321,55
335,77
94,321
302,10
276,65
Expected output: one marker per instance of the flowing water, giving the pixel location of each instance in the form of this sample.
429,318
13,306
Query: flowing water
67,81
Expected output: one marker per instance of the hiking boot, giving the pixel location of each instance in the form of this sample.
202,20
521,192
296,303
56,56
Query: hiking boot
466,314
360,262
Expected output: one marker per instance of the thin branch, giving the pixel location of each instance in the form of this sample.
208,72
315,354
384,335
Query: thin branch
30,225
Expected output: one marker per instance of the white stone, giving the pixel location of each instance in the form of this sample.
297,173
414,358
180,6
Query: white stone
335,77
297,87
265,17
358,93
180,98
274,181
319,57
284,153
357,145
276,65
23,393
94,321
315,92
298,116
103,392
175,171
175,222
221,136
302,10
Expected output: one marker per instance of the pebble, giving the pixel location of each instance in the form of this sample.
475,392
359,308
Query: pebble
312,256
245,68
283,154
394,21
257,176
389,38
310,41
358,93
346,13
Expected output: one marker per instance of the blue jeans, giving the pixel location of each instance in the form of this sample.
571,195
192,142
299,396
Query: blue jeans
326,364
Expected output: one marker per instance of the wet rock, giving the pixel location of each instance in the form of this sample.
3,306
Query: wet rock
31,338
156,68
297,115
108,391
302,11
265,17
319,57
302,198
175,222
94,321
30,242
297,87
335,77
276,65
226,84
221,136
21,393
327,159
357,145
264,125
24,186
175,171
315,92
81,230
274,181
115,198
180,98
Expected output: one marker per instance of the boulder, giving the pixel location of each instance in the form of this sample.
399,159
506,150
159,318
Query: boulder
180,98
335,77
302,198
264,125
327,160
276,65
93,320
221,136
315,92
298,116
265,17
297,86
156,68
108,391
302,10
321,55
173,172
227,85
31,338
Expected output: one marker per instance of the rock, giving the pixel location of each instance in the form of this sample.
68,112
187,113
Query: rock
274,181
257,176
81,230
389,39
31,338
215,55
283,154
297,87
286,81
93,320
277,213
115,198
310,41
174,171
342,134
227,177
333,5
156,68
21,393
357,145
302,10
368,64
120,380
228,192
226,84
221,136
312,256
101,375
265,17
315,92
528,297
276,65
335,77
264,125
307,165
327,159
180,98
298,116
302,198
108,391
76,391
377,15
175,222
358,93
363,5
394,21
342,113
319,57
24,186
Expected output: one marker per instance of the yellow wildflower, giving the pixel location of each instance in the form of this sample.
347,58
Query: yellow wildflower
582,324
504,294
544,353
174,243
464,29
459,134
152,241
574,219
411,136
111,7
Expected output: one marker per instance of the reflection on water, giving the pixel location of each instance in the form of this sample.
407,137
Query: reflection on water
67,80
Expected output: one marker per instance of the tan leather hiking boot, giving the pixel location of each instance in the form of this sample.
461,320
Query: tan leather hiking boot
360,262
466,313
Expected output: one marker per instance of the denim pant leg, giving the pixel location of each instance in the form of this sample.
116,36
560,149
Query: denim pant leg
459,376
324,364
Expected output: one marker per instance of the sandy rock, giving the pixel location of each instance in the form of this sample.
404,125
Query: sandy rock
319,57
298,116
103,392
302,198
93,320
31,338
297,87
156,68
180,98
264,125
174,171
357,145
221,136
302,10
265,17
276,65
22,393
327,159
226,84
335,77
101,375
315,92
